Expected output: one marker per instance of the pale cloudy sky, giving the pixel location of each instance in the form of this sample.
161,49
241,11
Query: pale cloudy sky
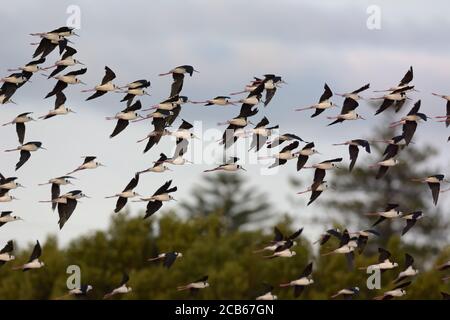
307,42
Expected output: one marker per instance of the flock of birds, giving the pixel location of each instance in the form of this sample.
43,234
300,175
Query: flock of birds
165,113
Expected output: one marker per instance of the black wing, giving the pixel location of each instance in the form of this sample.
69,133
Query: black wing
109,75
65,210
327,94
163,189
96,95
409,128
349,105
295,234
290,147
386,104
120,126
319,175
185,125
314,195
307,271
264,122
353,150
24,156
134,107
317,112
152,207
20,129
363,88
269,95
68,53
435,190
301,161
56,71
383,255
60,99
59,87
177,85
169,259
89,159
409,260
409,224
278,235
8,248
77,72
407,78
415,109
55,194
121,202
37,251
381,172
125,279
132,184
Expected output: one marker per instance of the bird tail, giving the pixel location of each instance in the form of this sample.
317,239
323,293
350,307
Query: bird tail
238,92
181,288
154,259
259,251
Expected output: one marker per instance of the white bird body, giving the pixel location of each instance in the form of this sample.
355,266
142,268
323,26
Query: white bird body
15,80
176,161
109,86
9,218
324,166
409,272
127,194
301,282
285,155
130,115
181,134
61,110
252,100
387,264
71,79
6,198
395,96
6,257
388,163
35,264
67,62
267,296
136,91
241,122
323,105
395,293
10,185
121,290
31,68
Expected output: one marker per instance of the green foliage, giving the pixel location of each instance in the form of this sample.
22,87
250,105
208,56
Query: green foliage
209,248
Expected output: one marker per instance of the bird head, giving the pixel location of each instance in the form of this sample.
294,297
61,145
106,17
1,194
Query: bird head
310,281
79,81
135,194
17,218
89,288
19,185
358,116
78,62
129,289
41,263
11,257
179,254
172,198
